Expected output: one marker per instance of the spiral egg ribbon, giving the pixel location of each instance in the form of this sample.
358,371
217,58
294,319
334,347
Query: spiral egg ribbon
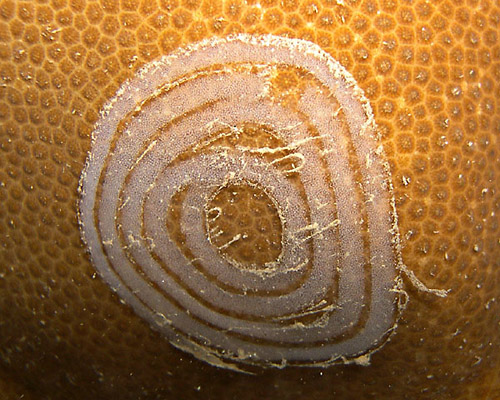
162,143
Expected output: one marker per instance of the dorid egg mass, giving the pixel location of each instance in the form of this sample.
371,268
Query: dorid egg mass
275,120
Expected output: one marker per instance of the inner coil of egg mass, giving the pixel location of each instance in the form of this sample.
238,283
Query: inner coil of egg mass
281,122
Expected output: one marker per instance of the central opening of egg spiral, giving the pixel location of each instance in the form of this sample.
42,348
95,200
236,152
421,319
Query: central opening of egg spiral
244,225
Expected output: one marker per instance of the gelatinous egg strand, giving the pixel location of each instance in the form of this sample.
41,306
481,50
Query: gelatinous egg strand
303,269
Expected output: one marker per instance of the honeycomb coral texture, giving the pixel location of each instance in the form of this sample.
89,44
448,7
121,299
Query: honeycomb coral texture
431,72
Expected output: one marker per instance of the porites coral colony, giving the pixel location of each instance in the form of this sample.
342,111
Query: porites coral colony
430,72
